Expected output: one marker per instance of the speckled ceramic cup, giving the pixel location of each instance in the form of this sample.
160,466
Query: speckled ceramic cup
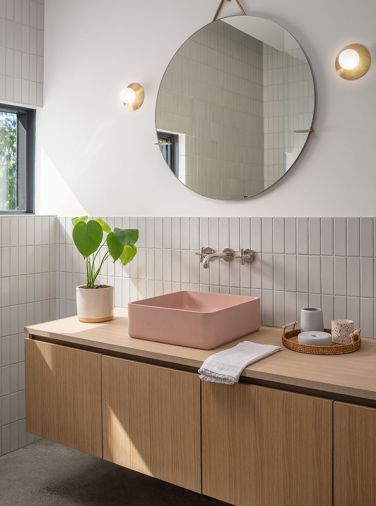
342,330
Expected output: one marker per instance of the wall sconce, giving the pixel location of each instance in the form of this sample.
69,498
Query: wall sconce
353,61
132,96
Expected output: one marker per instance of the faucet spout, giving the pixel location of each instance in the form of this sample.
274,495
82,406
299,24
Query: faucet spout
227,254
208,259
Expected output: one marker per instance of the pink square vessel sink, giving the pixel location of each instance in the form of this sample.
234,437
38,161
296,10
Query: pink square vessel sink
194,319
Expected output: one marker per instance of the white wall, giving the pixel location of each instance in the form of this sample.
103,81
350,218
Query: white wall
95,157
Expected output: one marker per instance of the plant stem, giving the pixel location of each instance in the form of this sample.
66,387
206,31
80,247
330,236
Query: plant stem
98,250
89,275
92,277
97,272
92,273
87,272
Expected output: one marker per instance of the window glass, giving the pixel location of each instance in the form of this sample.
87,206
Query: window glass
16,159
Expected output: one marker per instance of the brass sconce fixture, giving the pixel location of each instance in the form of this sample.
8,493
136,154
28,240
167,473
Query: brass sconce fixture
132,96
353,61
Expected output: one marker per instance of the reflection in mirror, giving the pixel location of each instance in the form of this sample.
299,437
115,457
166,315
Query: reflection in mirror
235,107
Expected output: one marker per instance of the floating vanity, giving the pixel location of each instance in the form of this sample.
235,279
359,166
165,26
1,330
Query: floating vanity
298,430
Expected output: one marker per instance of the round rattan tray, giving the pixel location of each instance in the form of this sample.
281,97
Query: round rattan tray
290,341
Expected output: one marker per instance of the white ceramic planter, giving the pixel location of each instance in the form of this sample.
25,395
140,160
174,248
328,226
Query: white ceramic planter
95,305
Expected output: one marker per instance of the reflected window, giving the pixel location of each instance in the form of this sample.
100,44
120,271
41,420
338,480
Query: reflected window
169,144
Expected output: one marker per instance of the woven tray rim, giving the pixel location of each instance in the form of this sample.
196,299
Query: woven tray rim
291,330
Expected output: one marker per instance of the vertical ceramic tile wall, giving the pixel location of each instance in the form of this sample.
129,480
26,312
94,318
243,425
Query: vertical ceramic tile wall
21,51
326,262
27,262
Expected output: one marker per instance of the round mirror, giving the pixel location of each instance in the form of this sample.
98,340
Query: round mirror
235,107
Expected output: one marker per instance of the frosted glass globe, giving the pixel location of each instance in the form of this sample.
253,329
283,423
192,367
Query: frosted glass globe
349,59
128,96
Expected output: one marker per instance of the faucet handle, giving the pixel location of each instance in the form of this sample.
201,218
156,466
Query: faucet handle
205,251
247,256
228,254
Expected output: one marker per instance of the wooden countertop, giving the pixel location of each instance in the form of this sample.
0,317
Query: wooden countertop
351,375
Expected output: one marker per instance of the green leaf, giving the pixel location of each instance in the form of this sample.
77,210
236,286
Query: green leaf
126,237
129,252
87,237
78,219
115,248
105,227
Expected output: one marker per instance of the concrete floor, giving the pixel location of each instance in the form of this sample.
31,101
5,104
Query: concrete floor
48,474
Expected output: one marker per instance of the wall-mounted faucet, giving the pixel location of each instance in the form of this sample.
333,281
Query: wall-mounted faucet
208,254
227,254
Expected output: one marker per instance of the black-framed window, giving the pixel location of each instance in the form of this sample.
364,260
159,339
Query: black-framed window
17,147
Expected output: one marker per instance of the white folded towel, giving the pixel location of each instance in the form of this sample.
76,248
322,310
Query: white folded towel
226,366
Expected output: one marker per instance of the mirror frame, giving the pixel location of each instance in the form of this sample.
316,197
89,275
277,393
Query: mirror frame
304,147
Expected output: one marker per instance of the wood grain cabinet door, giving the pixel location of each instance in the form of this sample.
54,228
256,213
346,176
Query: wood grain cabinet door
354,455
266,447
151,421
63,395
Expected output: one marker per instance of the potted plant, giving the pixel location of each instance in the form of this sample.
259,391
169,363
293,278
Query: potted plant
97,242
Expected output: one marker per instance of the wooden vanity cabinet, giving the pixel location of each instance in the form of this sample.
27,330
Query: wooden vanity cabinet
152,420
266,447
354,455
63,395
244,444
